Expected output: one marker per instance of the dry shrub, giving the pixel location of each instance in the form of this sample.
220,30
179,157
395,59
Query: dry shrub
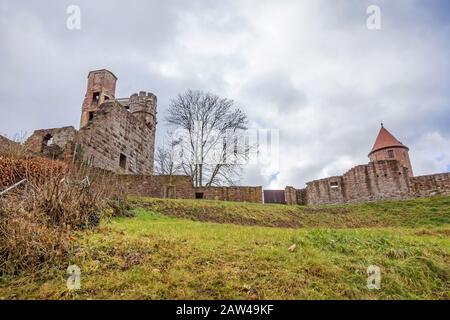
14,148
37,219
36,170
27,239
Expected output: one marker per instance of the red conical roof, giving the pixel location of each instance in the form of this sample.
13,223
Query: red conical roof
386,140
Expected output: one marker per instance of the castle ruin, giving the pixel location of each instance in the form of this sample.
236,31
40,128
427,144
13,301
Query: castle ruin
118,135
115,134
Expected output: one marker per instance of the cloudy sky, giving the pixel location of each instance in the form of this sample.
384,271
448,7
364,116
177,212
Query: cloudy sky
311,69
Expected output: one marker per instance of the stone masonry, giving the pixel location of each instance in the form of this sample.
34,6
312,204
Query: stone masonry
375,181
51,143
388,176
117,135
180,187
117,140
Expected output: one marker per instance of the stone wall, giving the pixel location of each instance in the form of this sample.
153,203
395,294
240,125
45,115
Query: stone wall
295,196
116,140
431,185
302,197
375,181
51,143
162,186
9,147
378,180
241,194
325,191
180,187
290,195
5,142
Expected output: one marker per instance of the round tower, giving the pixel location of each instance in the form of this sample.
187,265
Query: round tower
101,87
387,147
143,106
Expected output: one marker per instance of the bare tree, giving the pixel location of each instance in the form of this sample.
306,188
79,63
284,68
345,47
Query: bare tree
165,159
209,137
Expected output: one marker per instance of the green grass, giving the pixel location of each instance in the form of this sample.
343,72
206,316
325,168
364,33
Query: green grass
160,256
416,213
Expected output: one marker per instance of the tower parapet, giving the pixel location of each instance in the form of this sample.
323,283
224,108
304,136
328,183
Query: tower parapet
143,106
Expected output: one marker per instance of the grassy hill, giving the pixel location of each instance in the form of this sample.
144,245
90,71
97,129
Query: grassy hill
427,212
186,249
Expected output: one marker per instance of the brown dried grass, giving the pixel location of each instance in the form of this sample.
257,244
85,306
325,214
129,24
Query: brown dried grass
38,218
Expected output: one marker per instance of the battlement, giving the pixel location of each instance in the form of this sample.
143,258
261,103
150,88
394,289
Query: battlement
143,106
143,99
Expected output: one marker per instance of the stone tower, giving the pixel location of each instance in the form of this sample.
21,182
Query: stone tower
143,106
387,147
101,87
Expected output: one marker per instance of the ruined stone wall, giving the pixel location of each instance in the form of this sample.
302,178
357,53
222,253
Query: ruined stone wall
290,195
378,180
180,187
114,134
241,194
301,196
5,142
9,147
325,191
431,185
162,186
51,143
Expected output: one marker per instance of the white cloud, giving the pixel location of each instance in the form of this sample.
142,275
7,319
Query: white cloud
431,154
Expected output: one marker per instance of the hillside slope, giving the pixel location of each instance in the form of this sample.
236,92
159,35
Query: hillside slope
154,256
412,213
